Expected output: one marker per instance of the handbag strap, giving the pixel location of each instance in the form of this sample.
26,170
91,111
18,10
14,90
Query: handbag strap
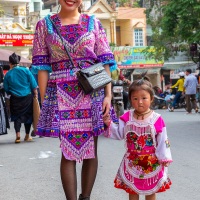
65,47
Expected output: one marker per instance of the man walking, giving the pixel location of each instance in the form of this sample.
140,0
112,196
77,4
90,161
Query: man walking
190,85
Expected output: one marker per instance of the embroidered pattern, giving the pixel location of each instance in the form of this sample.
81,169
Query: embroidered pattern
66,111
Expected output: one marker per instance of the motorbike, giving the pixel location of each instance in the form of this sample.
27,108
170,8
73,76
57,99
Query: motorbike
170,98
117,97
158,102
180,104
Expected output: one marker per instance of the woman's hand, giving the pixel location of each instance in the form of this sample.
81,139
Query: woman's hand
107,120
106,106
35,92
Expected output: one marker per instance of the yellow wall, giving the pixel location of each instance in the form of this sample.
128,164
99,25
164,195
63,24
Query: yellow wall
127,30
106,25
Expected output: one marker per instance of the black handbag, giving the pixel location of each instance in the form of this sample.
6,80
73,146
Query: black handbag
91,78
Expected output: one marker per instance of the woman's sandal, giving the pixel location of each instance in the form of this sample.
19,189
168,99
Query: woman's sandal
29,139
17,140
83,198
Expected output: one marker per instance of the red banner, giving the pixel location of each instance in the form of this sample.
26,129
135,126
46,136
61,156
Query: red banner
16,39
139,66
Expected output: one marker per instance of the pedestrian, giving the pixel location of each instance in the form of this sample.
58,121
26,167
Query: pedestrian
143,170
20,83
4,121
190,85
180,90
67,113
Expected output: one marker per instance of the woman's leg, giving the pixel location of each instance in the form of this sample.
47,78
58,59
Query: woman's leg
27,131
17,127
27,128
89,171
68,177
150,197
133,197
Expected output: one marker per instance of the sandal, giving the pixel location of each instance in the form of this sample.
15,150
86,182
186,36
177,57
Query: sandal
83,198
17,140
29,139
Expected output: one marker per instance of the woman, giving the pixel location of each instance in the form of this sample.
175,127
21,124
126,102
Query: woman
4,122
66,111
180,85
20,83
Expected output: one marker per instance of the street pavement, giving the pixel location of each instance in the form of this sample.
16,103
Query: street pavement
30,171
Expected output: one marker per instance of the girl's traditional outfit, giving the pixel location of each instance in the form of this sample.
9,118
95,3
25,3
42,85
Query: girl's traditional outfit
147,149
66,111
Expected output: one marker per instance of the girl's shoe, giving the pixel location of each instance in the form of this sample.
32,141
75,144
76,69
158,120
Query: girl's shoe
196,110
17,140
83,198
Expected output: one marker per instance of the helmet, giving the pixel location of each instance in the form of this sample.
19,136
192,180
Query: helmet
181,74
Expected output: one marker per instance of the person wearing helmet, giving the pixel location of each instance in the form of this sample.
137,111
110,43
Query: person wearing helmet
180,85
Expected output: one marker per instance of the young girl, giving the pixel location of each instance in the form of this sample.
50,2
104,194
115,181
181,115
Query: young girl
143,170
67,113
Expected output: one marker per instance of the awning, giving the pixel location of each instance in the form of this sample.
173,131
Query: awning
4,58
149,71
175,65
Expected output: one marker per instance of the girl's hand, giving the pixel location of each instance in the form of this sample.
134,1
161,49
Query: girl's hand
106,120
106,106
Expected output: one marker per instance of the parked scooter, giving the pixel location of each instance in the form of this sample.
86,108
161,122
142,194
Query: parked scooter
158,102
117,97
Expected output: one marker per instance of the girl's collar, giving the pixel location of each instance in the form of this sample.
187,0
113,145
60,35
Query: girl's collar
142,114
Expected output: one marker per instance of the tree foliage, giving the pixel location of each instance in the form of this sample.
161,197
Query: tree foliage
1,11
175,25
125,3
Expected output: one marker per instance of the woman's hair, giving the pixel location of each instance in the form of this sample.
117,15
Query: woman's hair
141,84
80,8
14,59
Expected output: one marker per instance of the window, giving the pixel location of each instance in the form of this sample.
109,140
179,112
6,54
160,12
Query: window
138,33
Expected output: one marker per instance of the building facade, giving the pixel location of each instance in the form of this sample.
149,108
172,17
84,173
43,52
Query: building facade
16,30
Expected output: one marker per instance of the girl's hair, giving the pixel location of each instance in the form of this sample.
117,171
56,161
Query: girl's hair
141,84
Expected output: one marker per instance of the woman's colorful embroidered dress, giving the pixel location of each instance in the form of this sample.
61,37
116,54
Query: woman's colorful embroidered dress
66,111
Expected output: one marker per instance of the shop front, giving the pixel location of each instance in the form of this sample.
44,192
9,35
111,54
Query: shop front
134,60
170,71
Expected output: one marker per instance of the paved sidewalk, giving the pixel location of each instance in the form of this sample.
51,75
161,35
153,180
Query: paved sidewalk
30,171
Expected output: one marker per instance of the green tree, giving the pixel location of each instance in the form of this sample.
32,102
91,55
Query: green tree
126,3
175,25
1,11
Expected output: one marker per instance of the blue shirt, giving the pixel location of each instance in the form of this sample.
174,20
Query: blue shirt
19,81
190,84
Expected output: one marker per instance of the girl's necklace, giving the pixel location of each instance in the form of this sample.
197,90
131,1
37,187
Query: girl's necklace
142,114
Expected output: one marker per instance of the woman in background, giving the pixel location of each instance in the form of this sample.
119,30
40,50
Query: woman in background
20,83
